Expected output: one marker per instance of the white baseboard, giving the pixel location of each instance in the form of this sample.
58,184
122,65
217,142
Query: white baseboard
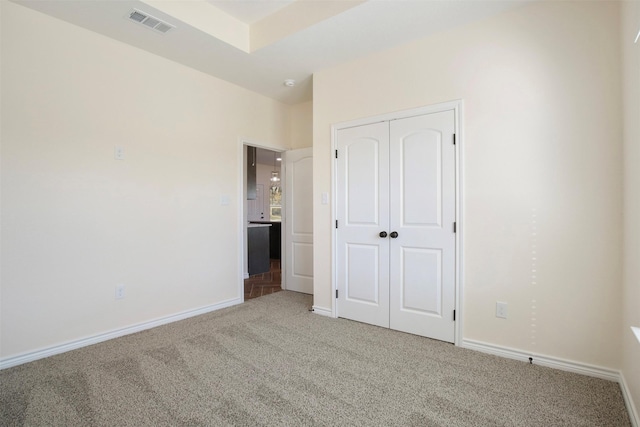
631,407
322,311
563,365
9,362
543,360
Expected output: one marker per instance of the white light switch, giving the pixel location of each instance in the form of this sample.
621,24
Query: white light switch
325,198
119,291
118,152
224,200
501,310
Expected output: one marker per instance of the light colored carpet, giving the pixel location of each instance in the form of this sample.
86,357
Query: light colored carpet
271,362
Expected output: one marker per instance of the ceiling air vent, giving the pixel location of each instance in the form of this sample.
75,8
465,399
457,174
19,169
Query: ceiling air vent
150,21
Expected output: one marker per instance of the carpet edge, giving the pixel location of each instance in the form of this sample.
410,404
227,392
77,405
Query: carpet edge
31,356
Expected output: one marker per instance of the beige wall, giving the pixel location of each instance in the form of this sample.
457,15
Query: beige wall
631,297
542,153
76,222
301,126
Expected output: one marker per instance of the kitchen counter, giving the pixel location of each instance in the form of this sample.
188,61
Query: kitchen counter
254,225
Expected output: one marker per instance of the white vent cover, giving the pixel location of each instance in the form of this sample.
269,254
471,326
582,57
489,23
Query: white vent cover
150,21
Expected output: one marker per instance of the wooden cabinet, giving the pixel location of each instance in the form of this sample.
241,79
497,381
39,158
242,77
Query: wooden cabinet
275,240
252,164
258,242
275,237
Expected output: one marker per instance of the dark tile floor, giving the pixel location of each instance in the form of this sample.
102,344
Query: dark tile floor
265,283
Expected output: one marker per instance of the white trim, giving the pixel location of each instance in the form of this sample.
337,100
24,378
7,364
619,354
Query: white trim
543,360
9,362
241,217
457,107
283,221
636,332
334,216
631,408
459,129
322,311
563,365
402,114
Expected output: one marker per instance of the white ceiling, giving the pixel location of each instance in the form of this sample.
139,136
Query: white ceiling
368,27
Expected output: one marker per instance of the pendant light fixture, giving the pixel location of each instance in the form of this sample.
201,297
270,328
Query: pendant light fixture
275,193
275,175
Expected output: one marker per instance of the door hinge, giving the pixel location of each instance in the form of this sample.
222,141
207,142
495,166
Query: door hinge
336,154
455,227
454,315
336,293
336,223
454,139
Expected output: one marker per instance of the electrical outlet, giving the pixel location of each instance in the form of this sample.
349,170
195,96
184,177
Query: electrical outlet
119,291
501,310
118,152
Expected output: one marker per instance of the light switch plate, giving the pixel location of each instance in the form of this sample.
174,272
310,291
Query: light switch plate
119,291
501,310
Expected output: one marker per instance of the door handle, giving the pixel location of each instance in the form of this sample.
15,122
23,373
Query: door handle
393,234
383,234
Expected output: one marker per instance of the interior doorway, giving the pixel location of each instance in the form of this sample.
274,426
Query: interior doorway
284,219
263,199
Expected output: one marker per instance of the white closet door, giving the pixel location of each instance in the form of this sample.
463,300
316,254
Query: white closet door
422,203
363,212
398,178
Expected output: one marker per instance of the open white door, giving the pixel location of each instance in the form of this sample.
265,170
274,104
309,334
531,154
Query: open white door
298,220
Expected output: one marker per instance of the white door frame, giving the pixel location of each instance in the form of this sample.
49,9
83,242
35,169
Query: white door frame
242,217
457,107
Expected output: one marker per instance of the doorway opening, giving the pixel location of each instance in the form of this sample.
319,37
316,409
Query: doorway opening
263,200
285,213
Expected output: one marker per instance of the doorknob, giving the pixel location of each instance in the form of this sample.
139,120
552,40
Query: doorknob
393,234
383,234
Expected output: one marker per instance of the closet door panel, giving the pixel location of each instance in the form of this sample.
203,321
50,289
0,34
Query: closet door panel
420,182
363,213
422,212
421,283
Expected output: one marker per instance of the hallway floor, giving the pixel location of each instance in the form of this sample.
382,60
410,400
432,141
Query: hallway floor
263,284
